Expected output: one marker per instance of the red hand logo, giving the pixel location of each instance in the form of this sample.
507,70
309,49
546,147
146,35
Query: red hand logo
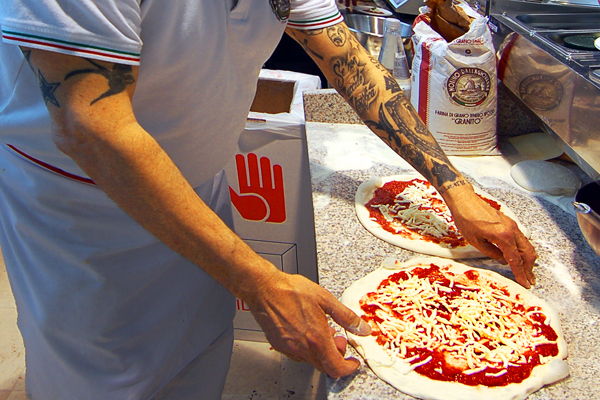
256,200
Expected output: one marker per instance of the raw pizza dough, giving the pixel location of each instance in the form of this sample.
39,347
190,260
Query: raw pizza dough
393,369
545,176
415,242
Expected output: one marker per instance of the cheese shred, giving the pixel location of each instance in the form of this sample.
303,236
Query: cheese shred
475,327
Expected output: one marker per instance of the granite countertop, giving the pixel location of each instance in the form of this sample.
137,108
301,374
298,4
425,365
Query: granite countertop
568,272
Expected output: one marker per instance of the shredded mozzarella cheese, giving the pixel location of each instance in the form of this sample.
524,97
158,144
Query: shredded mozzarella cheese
420,208
473,325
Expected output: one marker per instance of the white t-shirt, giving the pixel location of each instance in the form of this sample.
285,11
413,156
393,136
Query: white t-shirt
199,61
198,66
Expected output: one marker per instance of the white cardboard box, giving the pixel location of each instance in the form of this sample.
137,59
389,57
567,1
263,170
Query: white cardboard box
270,184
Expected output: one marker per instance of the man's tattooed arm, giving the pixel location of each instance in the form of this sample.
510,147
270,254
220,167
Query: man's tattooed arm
118,77
377,98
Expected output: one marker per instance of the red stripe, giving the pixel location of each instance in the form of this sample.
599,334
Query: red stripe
52,168
424,81
77,49
504,56
316,25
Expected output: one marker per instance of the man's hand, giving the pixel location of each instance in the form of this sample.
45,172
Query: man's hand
293,311
492,232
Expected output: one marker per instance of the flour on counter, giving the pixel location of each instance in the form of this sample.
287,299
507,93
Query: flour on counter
562,275
355,147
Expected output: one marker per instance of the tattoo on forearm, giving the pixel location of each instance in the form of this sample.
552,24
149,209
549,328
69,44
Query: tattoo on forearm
353,83
414,144
391,84
119,77
411,153
398,108
442,173
48,89
356,76
337,35
457,183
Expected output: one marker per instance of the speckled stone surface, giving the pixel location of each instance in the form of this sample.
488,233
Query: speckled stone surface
568,271
327,105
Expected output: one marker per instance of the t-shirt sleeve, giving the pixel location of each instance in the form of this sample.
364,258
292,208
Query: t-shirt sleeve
313,14
107,30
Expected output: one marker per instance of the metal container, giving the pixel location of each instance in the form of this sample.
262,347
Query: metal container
587,205
558,86
369,30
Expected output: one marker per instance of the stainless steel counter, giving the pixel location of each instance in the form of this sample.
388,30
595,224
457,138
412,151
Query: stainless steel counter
342,156
560,86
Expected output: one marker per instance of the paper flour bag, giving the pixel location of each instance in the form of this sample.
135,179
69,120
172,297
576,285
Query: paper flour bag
545,85
454,83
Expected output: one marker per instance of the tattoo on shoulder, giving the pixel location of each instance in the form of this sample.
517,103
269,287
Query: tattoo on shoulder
48,89
119,77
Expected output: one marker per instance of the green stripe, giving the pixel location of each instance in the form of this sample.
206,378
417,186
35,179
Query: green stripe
70,43
332,16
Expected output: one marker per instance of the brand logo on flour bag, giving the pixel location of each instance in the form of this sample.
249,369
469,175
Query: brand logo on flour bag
541,92
469,87
261,193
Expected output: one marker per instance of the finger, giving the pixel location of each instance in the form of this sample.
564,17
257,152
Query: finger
328,353
514,259
341,343
346,318
265,169
490,250
253,170
529,255
240,163
333,362
278,176
325,354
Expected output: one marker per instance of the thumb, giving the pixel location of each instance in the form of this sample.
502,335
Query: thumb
348,320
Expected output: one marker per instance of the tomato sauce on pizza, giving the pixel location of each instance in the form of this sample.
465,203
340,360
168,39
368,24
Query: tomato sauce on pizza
459,327
419,208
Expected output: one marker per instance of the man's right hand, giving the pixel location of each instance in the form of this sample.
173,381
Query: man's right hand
292,311
492,232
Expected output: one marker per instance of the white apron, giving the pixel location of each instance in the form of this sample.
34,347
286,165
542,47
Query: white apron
106,310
